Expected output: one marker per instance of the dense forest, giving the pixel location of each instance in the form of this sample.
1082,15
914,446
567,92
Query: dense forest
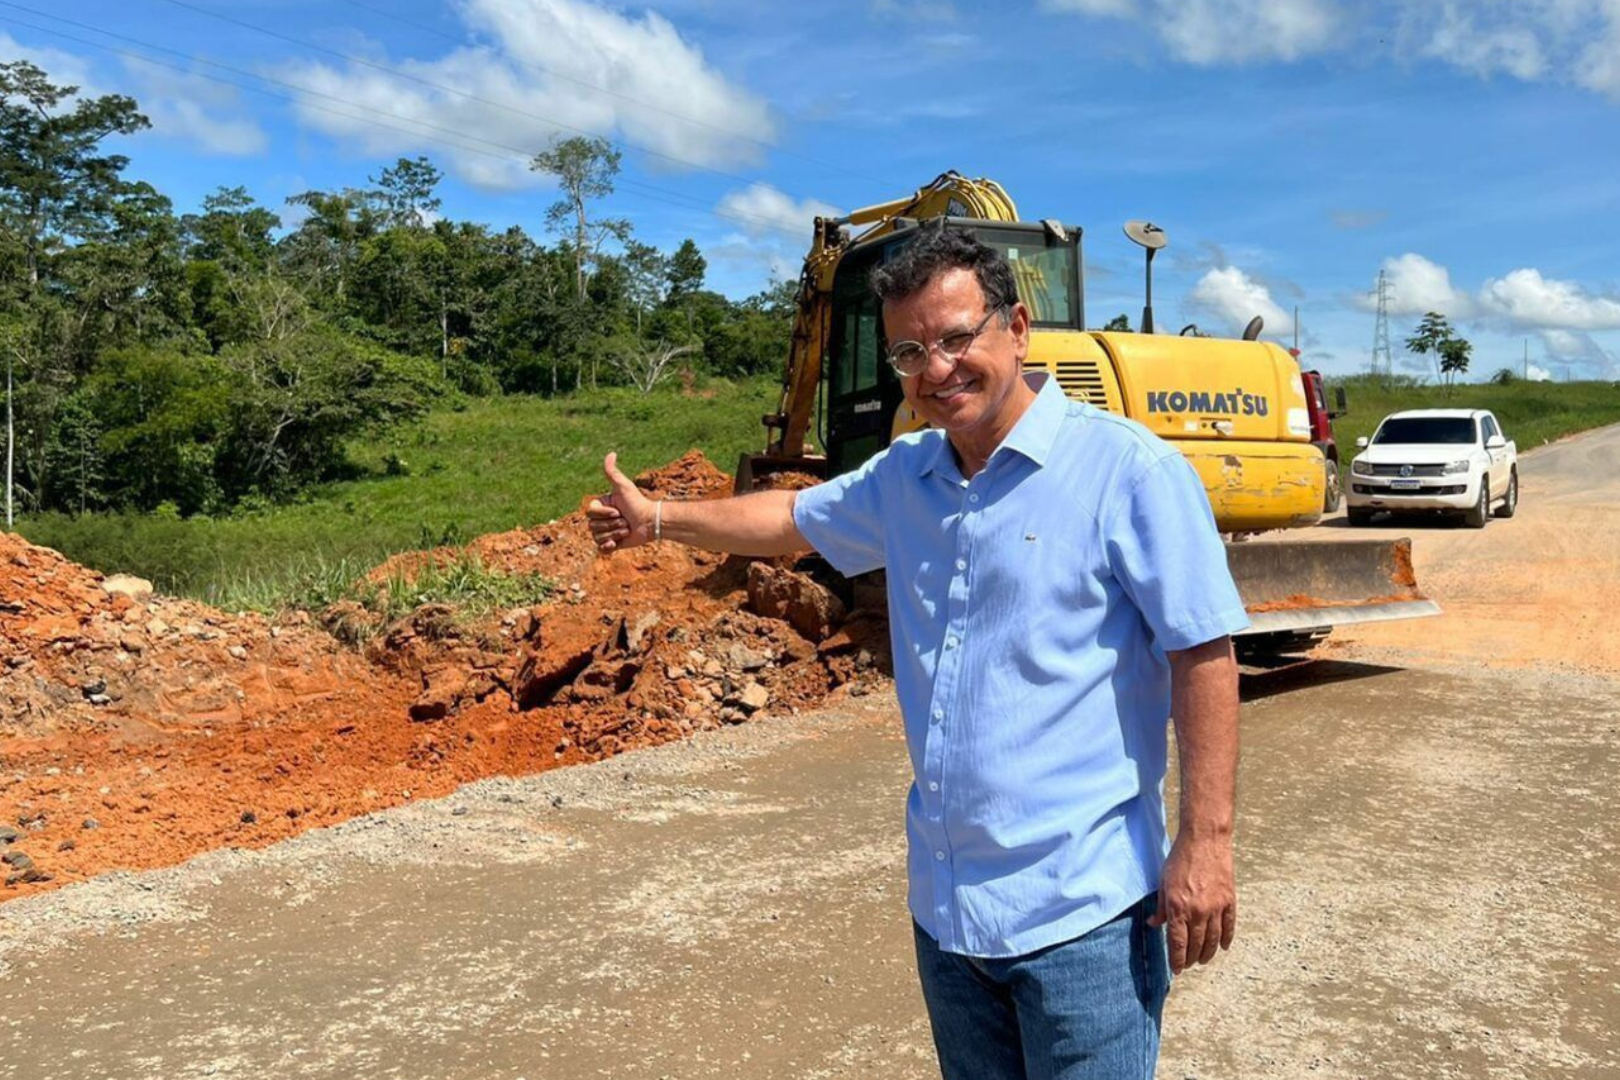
188,362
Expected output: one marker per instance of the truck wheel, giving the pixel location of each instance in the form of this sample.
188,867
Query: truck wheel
1359,517
1332,494
1510,502
1475,517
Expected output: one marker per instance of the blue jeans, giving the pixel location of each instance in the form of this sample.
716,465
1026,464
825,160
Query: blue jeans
1086,1009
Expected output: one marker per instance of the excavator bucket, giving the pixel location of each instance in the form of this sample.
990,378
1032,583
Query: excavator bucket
1300,589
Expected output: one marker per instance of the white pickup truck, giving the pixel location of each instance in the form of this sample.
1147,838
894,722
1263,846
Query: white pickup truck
1449,460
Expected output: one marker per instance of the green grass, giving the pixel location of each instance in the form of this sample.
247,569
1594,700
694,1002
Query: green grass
503,463
1531,413
495,465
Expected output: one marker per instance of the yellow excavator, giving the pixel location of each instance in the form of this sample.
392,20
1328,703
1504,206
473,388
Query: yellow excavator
1236,408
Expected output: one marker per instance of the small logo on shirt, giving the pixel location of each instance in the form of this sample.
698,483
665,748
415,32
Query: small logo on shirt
1030,537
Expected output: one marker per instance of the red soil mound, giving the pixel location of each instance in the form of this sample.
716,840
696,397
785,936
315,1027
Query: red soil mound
136,733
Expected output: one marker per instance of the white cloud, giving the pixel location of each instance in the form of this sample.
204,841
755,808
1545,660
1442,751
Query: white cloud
1559,40
542,67
197,110
1571,348
1598,66
180,106
62,67
752,259
1209,32
1418,286
1537,373
1234,297
1564,40
1526,298
761,208
1460,38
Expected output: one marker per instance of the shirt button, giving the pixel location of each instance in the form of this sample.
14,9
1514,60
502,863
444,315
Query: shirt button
973,498
961,564
939,856
933,785
939,714
950,643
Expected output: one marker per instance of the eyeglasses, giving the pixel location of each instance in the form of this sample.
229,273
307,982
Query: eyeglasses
909,358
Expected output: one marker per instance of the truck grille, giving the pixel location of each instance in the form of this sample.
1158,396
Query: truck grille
1417,470
1393,493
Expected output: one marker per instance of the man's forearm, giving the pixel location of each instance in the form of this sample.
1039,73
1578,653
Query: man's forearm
759,523
1204,701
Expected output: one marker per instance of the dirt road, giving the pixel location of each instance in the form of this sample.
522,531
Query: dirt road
1427,857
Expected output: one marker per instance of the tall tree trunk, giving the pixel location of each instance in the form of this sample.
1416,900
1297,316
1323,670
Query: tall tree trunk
579,245
444,337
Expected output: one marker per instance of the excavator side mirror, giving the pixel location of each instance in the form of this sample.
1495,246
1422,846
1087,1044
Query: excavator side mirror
1252,331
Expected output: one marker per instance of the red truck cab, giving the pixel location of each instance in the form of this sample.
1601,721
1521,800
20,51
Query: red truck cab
1321,417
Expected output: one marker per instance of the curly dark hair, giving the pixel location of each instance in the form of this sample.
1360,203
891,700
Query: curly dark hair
937,250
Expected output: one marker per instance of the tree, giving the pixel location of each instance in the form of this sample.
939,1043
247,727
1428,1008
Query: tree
647,273
585,169
56,186
1454,353
75,453
329,241
54,183
406,192
1119,323
1431,333
686,270
296,400
645,365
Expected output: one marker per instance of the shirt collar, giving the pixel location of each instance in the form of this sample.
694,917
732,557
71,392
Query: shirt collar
1032,436
1038,428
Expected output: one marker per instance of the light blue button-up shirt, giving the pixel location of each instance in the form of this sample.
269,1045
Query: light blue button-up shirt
1030,611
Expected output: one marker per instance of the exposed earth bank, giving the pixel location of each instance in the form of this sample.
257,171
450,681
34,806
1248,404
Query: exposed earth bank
137,730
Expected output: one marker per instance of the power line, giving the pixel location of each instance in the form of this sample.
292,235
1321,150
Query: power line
684,118
446,88
502,151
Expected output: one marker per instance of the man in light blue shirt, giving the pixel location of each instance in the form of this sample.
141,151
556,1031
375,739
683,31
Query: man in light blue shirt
1057,593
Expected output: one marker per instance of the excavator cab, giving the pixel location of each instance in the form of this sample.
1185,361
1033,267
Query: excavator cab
862,391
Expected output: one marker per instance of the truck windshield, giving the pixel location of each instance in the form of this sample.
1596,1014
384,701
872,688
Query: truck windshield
1448,430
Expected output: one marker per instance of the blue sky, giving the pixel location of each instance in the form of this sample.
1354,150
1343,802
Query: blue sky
1290,148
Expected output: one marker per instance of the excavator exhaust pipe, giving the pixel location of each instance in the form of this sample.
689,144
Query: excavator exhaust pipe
1299,590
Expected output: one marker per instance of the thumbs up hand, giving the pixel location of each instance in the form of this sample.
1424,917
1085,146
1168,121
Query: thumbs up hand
623,518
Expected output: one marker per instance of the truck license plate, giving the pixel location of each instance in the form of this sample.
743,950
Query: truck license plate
1406,485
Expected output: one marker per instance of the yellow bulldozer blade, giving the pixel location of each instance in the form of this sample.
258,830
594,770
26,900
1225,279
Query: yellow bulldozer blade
1297,588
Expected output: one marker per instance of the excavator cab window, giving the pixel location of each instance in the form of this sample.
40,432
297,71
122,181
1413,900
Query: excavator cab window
1045,281
859,345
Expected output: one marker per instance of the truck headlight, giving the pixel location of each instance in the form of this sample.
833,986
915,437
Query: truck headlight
1361,468
1454,467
